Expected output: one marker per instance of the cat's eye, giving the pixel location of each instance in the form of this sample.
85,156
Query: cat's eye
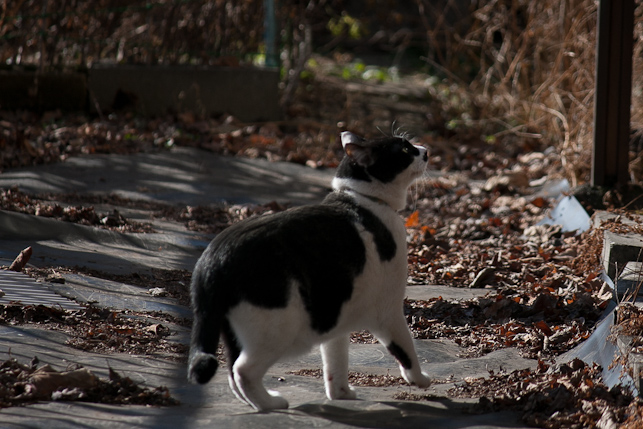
405,150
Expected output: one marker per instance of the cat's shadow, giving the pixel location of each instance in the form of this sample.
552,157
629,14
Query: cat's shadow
442,414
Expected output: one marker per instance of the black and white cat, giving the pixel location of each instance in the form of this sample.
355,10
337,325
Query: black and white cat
277,285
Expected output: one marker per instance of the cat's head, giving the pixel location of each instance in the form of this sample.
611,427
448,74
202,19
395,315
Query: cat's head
381,168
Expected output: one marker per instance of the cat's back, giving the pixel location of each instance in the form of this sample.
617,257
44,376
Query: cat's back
323,229
299,243
321,222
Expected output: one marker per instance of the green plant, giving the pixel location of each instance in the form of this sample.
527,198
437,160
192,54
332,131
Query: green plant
346,24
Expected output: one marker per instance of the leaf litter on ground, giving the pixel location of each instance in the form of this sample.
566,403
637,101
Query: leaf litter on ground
95,330
569,395
22,384
544,295
541,298
203,219
101,330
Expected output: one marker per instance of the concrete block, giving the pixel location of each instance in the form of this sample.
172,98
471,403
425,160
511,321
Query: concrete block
619,248
601,216
43,91
250,94
629,280
634,361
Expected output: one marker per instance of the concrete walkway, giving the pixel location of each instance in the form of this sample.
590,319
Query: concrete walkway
190,176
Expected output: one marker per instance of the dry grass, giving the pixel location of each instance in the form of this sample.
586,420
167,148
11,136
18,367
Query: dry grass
536,74
535,78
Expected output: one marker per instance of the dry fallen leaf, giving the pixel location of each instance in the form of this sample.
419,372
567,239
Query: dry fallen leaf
46,381
22,384
21,260
413,220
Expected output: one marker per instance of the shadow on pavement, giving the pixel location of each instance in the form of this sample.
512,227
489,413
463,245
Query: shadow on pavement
437,414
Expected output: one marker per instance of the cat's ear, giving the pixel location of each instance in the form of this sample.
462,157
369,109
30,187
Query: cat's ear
356,149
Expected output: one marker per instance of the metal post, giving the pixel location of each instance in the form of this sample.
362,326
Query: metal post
613,92
270,34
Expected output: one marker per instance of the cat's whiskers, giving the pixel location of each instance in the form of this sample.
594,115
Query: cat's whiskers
415,195
419,185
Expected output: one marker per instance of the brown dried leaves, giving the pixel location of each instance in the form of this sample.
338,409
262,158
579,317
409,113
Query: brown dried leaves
629,326
20,384
357,378
98,330
210,220
569,395
541,298
16,201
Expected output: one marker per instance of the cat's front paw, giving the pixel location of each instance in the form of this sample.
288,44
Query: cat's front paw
420,379
341,392
423,381
274,402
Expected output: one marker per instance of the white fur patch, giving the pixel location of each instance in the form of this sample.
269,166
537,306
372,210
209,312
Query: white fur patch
349,138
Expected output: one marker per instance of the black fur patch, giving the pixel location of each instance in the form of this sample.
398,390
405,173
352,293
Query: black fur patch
202,363
384,241
391,156
400,355
202,367
351,170
255,261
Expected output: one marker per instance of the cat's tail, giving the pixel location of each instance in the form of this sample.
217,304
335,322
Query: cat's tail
206,328
201,367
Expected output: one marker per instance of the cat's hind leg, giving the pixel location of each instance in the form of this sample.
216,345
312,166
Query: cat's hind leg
397,339
247,373
235,389
335,357
233,352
